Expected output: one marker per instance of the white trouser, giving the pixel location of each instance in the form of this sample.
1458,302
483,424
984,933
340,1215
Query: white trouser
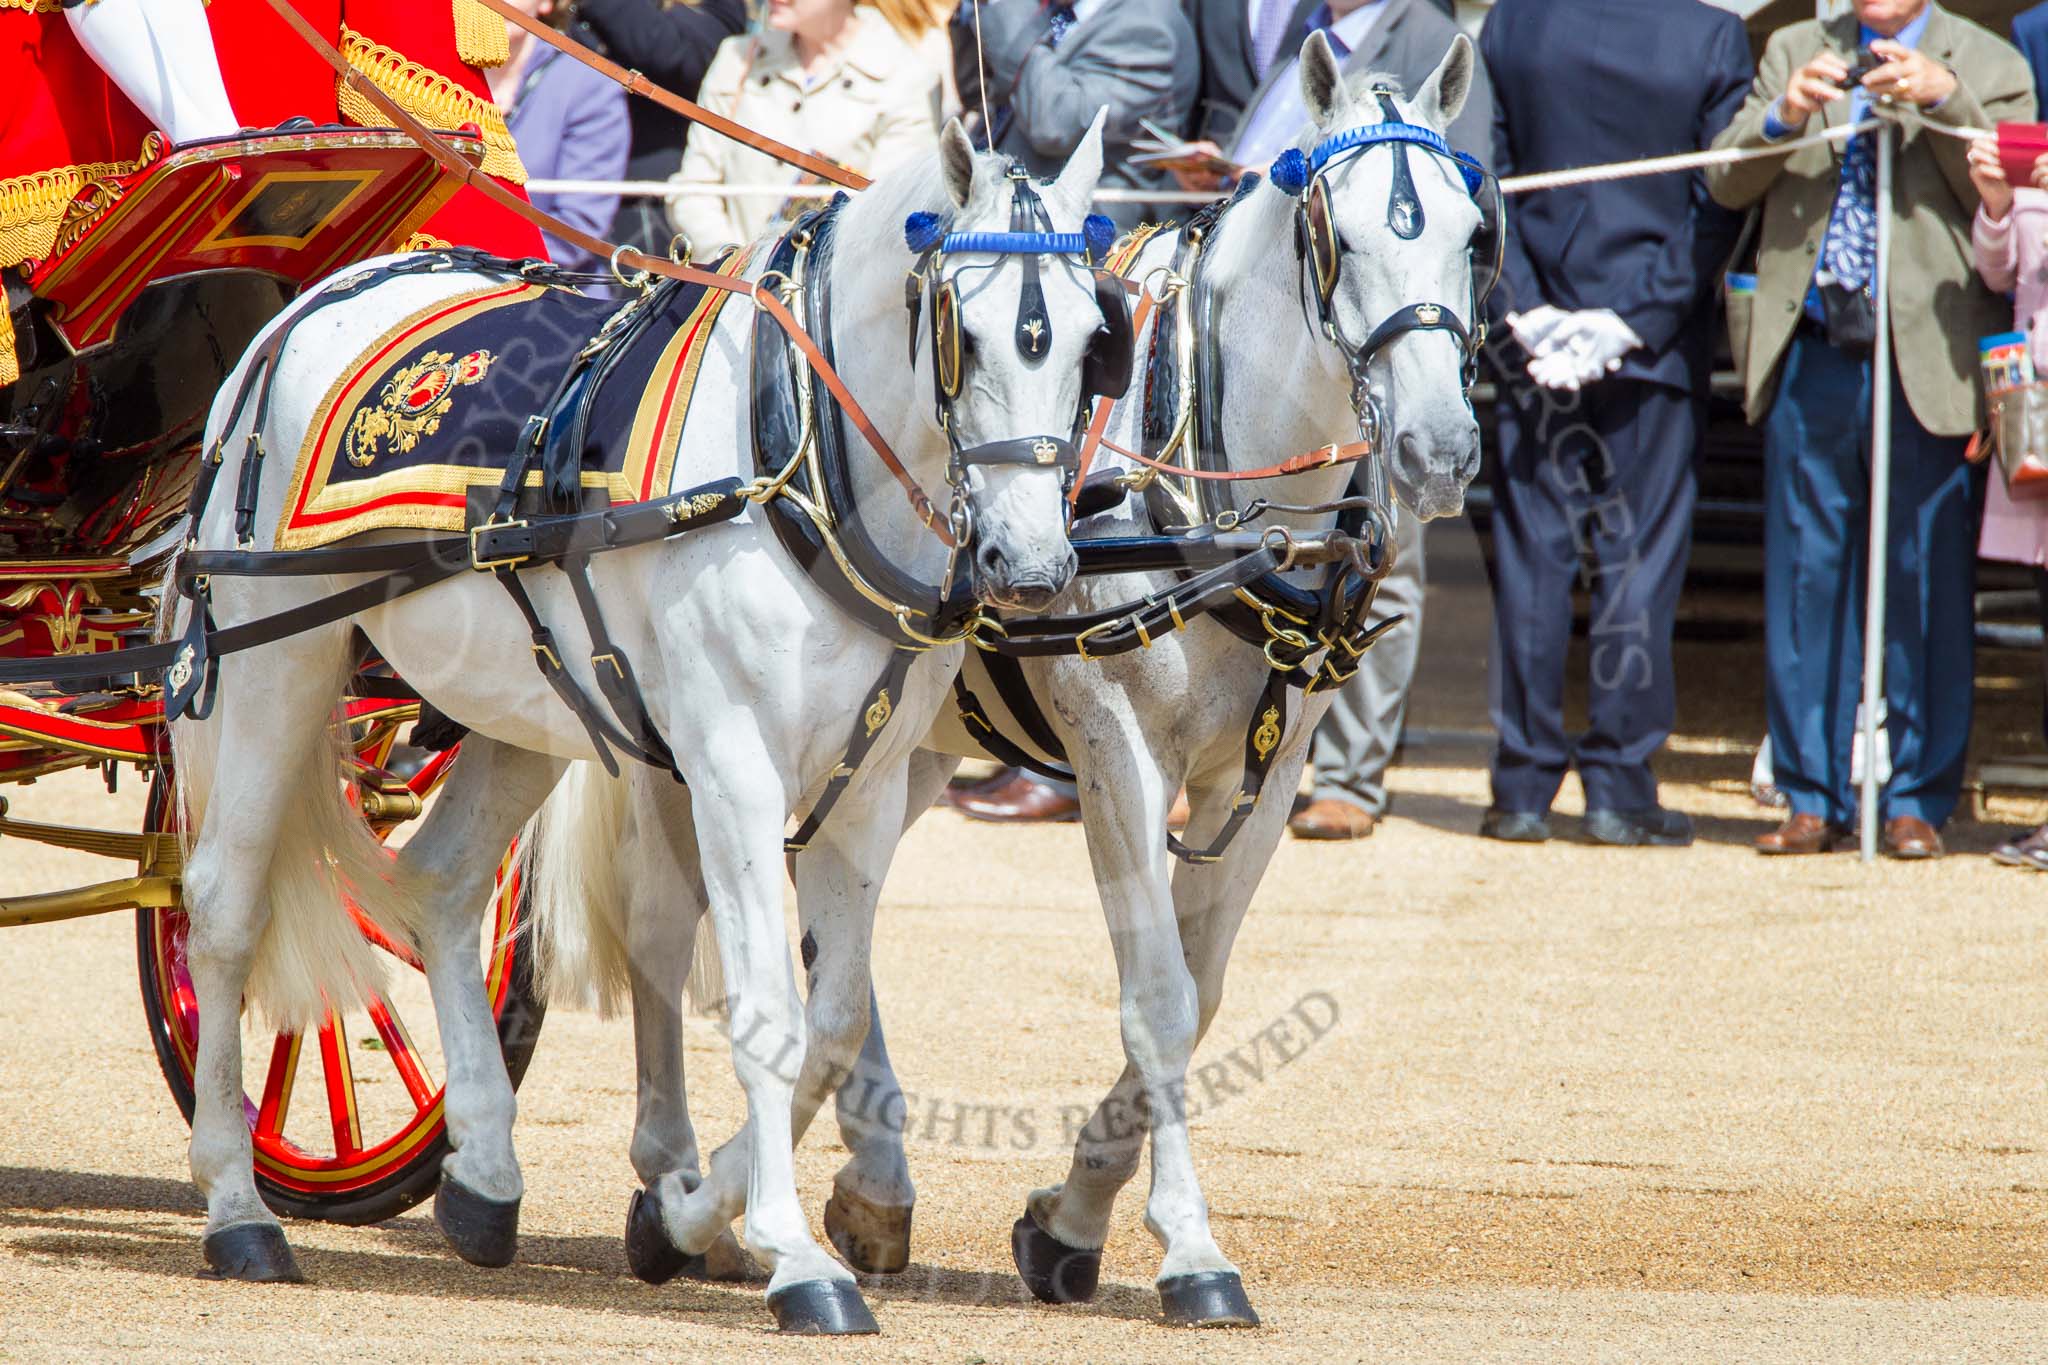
160,52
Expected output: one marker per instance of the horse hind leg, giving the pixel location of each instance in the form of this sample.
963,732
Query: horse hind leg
269,729
491,791
868,1218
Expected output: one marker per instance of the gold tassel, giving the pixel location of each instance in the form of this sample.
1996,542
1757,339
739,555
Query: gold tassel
481,38
428,96
10,364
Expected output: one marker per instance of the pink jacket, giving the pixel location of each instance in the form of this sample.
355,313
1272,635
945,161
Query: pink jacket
2013,256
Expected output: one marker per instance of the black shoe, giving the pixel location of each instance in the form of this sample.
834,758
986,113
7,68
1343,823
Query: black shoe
1652,827
1514,827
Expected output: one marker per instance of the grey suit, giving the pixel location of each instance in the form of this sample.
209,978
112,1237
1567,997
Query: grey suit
1356,740
1134,57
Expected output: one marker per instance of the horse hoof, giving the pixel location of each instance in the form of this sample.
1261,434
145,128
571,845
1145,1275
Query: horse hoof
874,1238
650,1255
482,1231
255,1252
1210,1298
1053,1271
825,1308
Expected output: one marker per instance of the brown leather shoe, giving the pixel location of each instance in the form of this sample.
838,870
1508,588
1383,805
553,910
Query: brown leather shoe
1021,800
1911,838
1332,819
1803,834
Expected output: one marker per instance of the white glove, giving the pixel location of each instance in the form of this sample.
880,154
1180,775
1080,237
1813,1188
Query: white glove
1537,328
1587,346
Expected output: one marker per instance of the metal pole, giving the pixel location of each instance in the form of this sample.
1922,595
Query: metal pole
1880,489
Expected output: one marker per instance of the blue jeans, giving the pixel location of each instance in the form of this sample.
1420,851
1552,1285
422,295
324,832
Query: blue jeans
1816,544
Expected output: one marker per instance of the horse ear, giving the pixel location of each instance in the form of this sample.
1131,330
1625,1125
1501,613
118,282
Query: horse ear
1083,171
956,161
1322,81
1442,97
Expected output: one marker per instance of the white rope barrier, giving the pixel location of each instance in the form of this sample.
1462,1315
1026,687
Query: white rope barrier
1513,184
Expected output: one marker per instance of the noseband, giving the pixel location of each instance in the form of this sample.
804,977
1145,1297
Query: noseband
1106,371
1307,178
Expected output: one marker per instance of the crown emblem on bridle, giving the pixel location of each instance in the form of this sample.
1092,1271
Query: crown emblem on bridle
1428,314
1045,450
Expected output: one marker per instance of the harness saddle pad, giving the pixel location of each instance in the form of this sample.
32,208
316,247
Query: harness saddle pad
439,403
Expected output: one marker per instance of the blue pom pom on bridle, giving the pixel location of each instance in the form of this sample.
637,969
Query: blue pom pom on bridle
1099,230
1290,173
923,231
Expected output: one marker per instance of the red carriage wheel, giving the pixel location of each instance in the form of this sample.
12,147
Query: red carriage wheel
363,1139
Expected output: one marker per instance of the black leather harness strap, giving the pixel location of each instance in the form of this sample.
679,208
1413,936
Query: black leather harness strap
876,710
1262,742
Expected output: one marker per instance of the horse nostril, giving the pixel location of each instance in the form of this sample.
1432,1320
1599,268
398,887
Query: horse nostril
1409,457
990,561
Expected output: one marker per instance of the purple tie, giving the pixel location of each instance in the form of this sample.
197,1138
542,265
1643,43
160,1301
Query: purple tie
1270,33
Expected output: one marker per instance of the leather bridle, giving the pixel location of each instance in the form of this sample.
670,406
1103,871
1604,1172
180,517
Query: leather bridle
931,289
1319,248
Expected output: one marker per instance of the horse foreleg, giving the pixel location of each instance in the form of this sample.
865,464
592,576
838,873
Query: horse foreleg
868,1216
491,791
739,814
664,903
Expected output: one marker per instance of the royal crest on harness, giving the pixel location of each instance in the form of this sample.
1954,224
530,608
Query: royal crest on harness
1268,734
877,715
412,404
1428,314
1045,450
181,669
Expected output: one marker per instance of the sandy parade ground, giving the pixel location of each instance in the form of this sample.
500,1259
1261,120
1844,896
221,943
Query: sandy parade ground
1464,1101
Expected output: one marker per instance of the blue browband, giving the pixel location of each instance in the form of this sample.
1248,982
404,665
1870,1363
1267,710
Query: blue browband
1292,171
927,231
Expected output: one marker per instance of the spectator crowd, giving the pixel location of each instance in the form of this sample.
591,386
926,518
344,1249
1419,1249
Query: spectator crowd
1609,311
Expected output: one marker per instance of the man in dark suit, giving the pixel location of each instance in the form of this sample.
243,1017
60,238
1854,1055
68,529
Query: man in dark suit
1608,291
2030,36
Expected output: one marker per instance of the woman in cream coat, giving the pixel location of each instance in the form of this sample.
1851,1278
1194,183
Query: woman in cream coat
826,77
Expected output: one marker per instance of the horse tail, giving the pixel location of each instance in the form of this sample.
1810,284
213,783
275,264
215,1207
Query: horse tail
570,856
331,884
704,992
576,901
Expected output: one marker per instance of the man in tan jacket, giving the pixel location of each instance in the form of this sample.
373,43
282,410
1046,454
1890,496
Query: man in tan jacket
1808,367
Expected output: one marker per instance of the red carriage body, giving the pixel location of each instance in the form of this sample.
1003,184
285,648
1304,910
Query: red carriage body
147,271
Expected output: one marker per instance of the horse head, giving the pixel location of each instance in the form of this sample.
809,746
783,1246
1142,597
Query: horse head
1015,334
1395,259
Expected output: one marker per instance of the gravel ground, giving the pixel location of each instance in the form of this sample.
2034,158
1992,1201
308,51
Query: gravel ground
1573,1104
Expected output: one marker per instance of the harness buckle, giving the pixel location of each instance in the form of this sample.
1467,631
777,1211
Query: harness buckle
1099,628
477,560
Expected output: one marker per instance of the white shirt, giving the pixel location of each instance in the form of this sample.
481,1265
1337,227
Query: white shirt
1274,125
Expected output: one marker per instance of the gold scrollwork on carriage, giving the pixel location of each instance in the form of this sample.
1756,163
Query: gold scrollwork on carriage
411,404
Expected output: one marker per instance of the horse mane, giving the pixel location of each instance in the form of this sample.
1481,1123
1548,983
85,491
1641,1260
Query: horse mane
878,212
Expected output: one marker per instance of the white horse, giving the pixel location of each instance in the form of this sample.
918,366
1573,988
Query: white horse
1136,727
754,676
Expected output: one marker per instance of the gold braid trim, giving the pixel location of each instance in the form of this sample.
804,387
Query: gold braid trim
481,38
10,364
32,207
428,96
33,6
